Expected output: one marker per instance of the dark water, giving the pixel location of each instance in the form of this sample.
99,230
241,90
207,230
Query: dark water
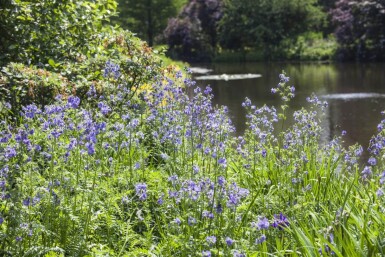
348,87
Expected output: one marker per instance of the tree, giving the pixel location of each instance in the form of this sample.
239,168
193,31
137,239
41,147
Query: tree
193,35
36,31
147,18
265,23
360,29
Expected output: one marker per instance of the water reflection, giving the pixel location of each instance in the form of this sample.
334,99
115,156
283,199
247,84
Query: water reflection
358,91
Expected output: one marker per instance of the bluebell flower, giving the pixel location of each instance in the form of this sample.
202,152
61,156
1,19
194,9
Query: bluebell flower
30,111
221,181
141,191
111,69
10,152
206,253
283,78
366,172
211,240
1,220
382,178
191,221
207,214
263,223
222,162
261,239
229,241
104,108
372,161
280,221
177,221
90,148
237,253
160,200
73,102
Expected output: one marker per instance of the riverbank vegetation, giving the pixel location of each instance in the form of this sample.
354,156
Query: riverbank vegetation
227,30
106,151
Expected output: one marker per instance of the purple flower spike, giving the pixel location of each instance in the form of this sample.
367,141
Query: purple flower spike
141,191
263,223
280,221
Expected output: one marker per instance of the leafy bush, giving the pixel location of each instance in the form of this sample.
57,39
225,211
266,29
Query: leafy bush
35,31
359,29
22,85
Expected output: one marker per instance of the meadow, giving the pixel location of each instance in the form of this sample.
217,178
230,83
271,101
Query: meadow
156,170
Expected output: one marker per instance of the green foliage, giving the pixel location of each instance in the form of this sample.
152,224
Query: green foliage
34,32
266,23
310,47
21,85
147,18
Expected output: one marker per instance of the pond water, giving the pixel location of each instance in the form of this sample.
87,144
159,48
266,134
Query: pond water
355,92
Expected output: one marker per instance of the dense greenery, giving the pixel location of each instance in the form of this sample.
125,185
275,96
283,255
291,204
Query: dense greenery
360,29
147,18
193,35
35,31
49,57
116,154
290,29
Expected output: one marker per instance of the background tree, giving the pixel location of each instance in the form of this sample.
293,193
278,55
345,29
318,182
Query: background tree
265,23
360,29
193,35
147,18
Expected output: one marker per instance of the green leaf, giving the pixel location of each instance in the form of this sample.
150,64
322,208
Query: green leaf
52,63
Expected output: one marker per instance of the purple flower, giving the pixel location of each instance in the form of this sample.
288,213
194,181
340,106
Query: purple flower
104,108
207,214
177,221
27,202
366,172
280,221
160,200
191,221
211,240
1,220
30,111
229,241
283,78
263,223
222,162
379,192
261,239
111,69
19,239
221,181
372,161
10,152
238,254
206,253
141,191
90,148
73,102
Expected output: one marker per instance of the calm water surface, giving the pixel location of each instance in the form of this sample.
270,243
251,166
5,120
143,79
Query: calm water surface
348,110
